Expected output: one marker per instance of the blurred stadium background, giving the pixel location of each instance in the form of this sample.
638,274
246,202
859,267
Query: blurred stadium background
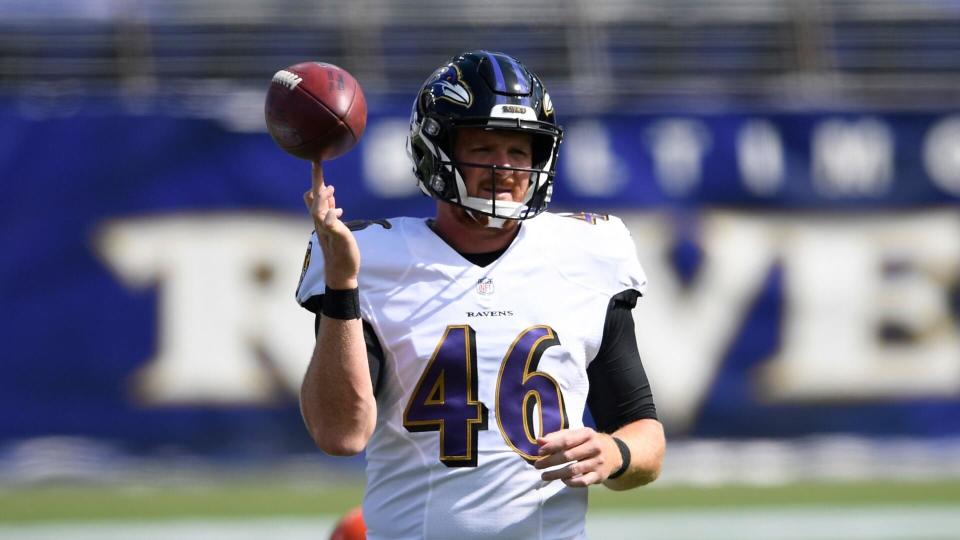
790,171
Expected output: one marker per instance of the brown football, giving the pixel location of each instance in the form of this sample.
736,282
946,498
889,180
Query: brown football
315,110
350,527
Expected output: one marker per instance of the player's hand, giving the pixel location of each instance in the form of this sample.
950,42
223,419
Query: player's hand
595,456
341,257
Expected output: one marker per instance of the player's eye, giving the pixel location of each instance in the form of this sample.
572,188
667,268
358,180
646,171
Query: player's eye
520,154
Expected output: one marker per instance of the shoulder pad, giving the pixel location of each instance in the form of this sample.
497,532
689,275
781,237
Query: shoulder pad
596,250
380,242
587,217
361,224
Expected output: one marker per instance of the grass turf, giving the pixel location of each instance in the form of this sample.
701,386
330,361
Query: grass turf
249,499
822,494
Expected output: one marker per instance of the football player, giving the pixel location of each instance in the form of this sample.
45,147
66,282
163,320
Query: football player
462,351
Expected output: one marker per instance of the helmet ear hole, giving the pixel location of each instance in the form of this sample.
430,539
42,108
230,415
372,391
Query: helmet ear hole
423,101
542,150
431,127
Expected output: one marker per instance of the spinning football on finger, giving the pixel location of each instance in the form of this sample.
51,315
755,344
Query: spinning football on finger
315,110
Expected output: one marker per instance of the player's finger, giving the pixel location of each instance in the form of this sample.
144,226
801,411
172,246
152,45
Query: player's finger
334,231
319,211
577,453
572,470
328,193
316,175
558,441
584,480
559,474
331,217
317,202
322,201
310,196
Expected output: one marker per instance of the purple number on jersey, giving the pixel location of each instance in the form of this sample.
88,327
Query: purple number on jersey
444,398
521,390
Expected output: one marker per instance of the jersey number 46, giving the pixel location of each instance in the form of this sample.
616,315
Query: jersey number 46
445,398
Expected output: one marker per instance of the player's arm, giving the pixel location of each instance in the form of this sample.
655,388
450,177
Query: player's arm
621,400
621,403
595,457
336,398
646,445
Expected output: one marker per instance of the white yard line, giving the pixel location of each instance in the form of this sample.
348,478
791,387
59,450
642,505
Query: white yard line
239,529
820,523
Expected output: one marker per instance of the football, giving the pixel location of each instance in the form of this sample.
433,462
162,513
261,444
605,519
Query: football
315,111
351,527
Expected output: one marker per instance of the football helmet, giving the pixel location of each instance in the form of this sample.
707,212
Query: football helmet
491,90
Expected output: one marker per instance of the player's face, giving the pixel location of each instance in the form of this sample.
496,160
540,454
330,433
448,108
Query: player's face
491,147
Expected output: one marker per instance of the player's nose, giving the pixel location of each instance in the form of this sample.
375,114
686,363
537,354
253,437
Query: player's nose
505,178
504,164
503,158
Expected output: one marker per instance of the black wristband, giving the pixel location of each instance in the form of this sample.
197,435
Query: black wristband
343,304
625,455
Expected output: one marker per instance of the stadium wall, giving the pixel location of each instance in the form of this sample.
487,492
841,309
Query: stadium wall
804,268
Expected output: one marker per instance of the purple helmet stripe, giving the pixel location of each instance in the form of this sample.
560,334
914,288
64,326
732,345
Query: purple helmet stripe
523,86
501,84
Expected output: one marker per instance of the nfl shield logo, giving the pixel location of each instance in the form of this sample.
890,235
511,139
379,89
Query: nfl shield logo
485,286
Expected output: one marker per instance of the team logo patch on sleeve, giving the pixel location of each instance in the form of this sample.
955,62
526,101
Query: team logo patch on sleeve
306,264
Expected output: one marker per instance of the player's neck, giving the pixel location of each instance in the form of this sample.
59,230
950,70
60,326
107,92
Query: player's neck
467,235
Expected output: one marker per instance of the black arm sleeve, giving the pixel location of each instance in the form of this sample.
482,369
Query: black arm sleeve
374,350
619,390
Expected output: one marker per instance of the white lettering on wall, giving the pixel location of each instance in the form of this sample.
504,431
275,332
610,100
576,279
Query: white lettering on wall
941,154
678,146
387,170
845,279
852,158
228,328
845,282
593,168
684,332
760,157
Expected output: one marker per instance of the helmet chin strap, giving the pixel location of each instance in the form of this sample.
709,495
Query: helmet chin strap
496,223
480,217
486,220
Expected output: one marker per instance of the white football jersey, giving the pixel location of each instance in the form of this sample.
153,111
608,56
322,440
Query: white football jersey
479,361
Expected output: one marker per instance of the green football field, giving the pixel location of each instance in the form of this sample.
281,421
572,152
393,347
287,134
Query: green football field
253,498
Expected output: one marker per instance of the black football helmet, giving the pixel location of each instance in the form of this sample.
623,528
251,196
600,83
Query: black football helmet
487,90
